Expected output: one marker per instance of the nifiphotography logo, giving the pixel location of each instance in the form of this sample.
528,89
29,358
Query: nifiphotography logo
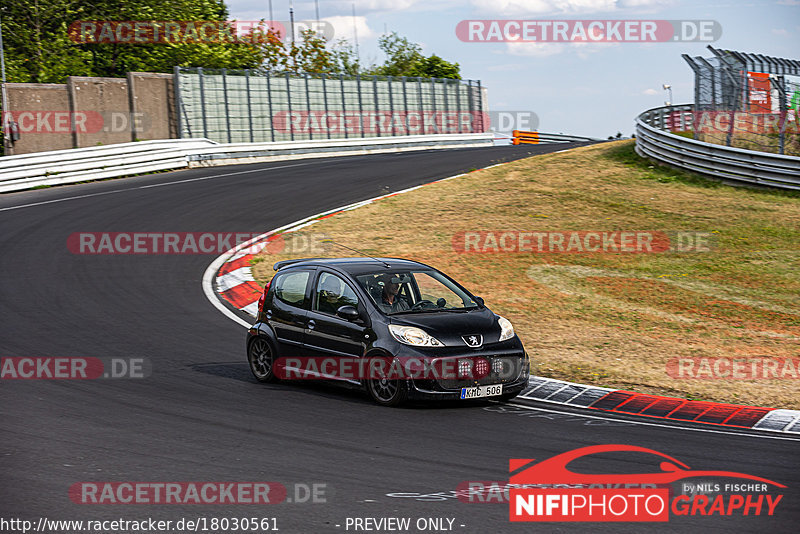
611,497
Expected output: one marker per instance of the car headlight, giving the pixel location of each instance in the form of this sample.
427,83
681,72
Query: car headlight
506,328
411,335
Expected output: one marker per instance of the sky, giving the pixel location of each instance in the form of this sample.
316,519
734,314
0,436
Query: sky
592,89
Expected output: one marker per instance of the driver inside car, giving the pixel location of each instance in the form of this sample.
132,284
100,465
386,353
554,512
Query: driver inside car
390,301
329,296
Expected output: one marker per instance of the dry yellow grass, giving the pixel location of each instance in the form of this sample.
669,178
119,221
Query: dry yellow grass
608,319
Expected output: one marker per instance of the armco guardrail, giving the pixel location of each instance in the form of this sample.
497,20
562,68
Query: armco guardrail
94,163
226,154
84,164
719,161
535,138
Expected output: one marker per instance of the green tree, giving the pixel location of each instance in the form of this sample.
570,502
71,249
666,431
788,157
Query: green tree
435,67
39,48
310,54
404,58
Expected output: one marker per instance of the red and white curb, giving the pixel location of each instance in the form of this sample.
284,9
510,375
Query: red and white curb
229,278
656,406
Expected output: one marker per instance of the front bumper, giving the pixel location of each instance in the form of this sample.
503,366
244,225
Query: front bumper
512,371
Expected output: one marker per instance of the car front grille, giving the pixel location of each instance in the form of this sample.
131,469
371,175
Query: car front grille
511,368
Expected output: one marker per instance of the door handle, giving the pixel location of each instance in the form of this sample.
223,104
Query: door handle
311,324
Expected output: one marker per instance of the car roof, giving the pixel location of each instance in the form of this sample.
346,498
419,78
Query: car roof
353,265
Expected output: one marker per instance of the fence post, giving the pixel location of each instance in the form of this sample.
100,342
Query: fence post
446,118
203,102
176,84
360,106
376,116
405,108
269,102
344,107
308,108
325,99
225,96
421,104
391,103
480,106
249,104
289,105
458,104
433,105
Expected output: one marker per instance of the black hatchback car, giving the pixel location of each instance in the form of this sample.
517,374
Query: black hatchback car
399,328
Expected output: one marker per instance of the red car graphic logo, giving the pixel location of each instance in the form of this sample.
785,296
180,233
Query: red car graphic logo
554,470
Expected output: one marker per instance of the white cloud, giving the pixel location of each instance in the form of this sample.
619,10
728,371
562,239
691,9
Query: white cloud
343,28
650,92
534,49
789,2
562,7
780,31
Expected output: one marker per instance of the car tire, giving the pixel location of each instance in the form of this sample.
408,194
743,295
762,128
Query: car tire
386,391
261,358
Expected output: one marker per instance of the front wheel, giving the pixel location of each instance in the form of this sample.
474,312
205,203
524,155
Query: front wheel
262,360
384,390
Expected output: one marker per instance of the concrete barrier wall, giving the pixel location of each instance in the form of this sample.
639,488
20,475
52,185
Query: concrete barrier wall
88,111
39,109
153,105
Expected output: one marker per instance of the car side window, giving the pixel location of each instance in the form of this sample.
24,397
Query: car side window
332,293
291,287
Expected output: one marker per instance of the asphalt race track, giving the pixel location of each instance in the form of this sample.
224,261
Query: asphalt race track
200,416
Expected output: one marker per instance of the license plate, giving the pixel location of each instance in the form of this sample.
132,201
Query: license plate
482,391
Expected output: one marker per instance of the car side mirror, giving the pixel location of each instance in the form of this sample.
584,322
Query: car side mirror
479,300
349,313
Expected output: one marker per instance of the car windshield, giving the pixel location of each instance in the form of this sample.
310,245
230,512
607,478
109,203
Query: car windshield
414,291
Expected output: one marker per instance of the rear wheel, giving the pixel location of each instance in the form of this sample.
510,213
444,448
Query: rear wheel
262,360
